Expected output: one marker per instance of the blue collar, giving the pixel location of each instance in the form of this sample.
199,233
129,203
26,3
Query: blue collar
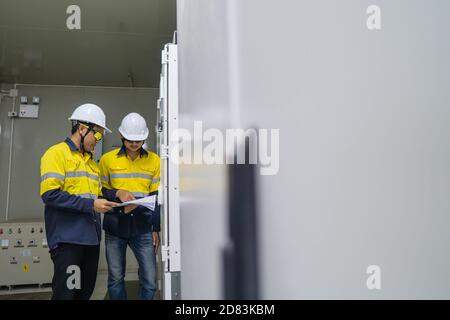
71,144
123,151
73,147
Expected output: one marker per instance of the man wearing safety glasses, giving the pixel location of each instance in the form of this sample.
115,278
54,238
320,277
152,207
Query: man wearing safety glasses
128,173
70,190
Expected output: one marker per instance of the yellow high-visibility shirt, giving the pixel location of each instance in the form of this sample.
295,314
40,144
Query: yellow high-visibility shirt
70,183
65,168
140,177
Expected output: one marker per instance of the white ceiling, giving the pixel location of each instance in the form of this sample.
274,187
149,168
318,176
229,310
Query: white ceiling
119,43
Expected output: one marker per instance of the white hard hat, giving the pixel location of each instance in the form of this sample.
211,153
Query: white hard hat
91,113
134,127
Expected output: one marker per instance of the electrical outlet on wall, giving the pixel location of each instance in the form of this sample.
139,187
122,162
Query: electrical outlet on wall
29,111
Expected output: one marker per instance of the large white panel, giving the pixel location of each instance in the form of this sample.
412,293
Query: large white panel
204,95
364,174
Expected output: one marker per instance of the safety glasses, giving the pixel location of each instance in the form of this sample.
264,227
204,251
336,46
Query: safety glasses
97,134
130,141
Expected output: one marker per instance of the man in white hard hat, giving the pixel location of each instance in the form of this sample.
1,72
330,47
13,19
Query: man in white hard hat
70,187
128,173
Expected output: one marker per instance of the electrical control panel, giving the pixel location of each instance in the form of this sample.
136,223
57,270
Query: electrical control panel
24,254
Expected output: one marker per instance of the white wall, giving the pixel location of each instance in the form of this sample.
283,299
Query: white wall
364,159
33,136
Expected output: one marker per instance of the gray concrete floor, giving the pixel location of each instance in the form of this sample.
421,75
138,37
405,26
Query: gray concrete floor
100,291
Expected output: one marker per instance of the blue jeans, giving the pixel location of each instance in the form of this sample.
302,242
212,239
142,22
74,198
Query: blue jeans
142,247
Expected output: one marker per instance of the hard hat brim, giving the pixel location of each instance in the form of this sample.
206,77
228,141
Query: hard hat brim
134,137
107,130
